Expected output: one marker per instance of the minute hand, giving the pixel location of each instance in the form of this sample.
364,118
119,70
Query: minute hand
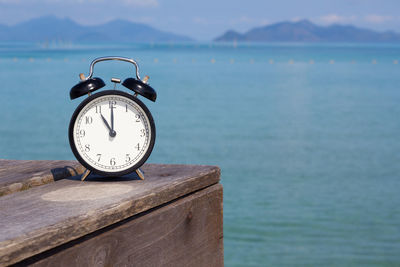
112,118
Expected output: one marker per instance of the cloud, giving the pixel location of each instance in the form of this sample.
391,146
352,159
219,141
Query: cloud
137,3
265,21
201,21
248,21
245,19
373,18
361,19
143,3
241,20
145,19
296,19
334,18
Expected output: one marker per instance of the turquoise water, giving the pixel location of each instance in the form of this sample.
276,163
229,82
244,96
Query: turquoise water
309,152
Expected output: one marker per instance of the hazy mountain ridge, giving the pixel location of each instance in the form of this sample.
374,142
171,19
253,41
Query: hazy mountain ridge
305,31
51,28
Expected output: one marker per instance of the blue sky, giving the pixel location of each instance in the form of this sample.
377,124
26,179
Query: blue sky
207,19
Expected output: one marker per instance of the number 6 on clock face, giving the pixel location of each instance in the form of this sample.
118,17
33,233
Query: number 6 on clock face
112,133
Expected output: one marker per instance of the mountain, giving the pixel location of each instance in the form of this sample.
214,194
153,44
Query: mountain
50,28
305,31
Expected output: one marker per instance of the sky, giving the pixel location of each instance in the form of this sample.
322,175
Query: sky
206,19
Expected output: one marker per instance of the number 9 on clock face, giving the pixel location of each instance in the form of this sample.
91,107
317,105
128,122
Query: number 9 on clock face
112,133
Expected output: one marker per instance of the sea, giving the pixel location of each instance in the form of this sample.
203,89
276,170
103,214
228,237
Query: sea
307,136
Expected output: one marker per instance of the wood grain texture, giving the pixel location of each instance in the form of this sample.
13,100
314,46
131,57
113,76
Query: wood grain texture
19,175
44,217
186,232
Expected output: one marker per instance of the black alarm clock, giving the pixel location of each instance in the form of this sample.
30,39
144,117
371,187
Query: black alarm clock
112,133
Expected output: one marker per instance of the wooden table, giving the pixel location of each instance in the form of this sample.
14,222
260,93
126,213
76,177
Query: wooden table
48,217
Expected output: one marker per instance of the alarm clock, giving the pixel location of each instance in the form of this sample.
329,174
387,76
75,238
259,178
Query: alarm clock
112,132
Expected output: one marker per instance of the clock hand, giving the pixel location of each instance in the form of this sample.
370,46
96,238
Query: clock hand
105,122
112,118
112,132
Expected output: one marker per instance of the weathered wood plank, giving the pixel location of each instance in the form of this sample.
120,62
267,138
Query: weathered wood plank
186,232
18,175
41,218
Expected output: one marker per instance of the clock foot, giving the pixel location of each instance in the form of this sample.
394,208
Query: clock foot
85,175
140,173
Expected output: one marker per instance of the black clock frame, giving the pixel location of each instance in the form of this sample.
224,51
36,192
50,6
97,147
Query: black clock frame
71,133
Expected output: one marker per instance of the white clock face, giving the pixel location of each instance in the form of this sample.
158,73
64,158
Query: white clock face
112,133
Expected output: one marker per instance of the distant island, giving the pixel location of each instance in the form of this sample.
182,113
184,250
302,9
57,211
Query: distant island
51,28
306,31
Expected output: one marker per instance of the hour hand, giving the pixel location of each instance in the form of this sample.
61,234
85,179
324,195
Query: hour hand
112,132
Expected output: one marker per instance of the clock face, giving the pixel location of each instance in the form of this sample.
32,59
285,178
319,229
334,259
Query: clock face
112,133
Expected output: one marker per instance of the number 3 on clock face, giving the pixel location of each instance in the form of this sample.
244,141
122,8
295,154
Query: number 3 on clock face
112,133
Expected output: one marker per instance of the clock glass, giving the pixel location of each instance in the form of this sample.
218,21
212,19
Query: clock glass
112,132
